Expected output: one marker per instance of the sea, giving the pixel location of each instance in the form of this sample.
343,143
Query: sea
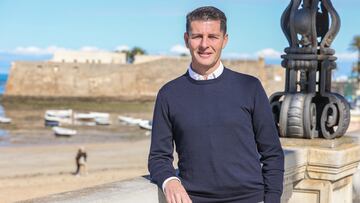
3,79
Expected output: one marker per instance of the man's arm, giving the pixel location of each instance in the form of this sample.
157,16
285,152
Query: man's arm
269,147
160,161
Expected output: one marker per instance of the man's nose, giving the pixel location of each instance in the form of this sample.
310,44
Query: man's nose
204,43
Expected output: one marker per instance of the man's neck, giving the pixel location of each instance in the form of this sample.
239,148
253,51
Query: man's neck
203,70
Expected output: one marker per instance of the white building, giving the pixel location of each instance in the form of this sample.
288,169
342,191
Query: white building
89,57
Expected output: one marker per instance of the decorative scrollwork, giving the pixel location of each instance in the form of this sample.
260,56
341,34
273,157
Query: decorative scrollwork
307,108
335,117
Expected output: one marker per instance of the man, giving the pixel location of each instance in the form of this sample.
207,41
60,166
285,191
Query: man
221,124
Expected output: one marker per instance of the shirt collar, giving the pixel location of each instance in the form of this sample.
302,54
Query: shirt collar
218,71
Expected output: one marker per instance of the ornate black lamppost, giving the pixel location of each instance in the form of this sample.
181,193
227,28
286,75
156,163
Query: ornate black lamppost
307,108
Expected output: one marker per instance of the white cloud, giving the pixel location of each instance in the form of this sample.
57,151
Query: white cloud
122,48
33,50
347,56
37,51
269,53
179,49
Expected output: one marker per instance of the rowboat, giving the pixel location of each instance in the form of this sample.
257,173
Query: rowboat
130,120
147,125
59,131
59,113
5,120
102,121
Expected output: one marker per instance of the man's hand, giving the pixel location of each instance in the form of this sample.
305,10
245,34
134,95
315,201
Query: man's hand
176,193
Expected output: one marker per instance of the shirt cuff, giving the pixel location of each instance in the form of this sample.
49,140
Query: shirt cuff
167,180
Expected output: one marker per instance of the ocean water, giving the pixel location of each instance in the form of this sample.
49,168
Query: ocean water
3,79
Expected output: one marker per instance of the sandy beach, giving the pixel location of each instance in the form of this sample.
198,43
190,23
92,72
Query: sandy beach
35,163
34,171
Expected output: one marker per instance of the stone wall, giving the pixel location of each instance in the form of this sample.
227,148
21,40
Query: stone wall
117,81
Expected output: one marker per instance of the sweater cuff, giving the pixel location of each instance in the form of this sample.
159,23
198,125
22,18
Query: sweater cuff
272,197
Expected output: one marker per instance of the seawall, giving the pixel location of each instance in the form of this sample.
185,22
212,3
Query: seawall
114,81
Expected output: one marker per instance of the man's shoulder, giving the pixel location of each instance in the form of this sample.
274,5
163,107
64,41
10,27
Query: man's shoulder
242,77
173,84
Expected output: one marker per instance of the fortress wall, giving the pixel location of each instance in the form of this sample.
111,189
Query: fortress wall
118,81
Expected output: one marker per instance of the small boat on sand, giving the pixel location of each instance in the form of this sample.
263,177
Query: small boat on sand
5,120
59,131
58,117
95,118
59,113
147,125
130,120
84,116
102,121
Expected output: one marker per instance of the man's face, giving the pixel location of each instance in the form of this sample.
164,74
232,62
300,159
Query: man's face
205,41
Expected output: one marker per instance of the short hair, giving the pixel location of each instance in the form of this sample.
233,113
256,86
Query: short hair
206,13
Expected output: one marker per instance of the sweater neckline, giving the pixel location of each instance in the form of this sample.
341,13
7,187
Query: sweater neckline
203,82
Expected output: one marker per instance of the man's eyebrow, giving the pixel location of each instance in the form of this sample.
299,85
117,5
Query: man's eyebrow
196,34
215,35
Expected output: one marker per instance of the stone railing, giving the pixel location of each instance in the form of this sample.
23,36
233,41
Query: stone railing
318,171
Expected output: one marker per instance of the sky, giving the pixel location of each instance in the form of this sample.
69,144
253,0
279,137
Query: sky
34,29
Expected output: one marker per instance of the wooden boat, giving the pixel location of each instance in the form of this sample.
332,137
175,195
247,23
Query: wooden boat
147,125
58,117
130,120
5,120
100,114
59,131
102,121
60,120
92,118
84,116
51,123
59,113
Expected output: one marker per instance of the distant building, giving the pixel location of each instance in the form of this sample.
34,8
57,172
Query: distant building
89,57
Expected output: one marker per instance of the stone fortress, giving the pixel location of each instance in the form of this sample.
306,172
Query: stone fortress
106,75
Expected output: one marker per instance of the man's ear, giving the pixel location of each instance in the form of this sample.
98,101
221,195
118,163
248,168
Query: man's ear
226,38
186,39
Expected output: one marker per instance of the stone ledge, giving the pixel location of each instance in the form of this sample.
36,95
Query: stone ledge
139,189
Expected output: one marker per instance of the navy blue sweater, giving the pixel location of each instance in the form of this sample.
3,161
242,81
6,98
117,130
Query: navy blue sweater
225,137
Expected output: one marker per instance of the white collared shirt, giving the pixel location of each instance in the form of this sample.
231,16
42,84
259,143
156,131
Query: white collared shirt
196,76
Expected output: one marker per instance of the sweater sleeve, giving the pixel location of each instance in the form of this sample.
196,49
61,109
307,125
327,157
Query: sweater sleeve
269,147
160,162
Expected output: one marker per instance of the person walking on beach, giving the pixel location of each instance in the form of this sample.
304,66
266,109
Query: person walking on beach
221,123
80,159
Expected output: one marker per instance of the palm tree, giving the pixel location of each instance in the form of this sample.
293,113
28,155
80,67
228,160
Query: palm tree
355,45
130,54
137,51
